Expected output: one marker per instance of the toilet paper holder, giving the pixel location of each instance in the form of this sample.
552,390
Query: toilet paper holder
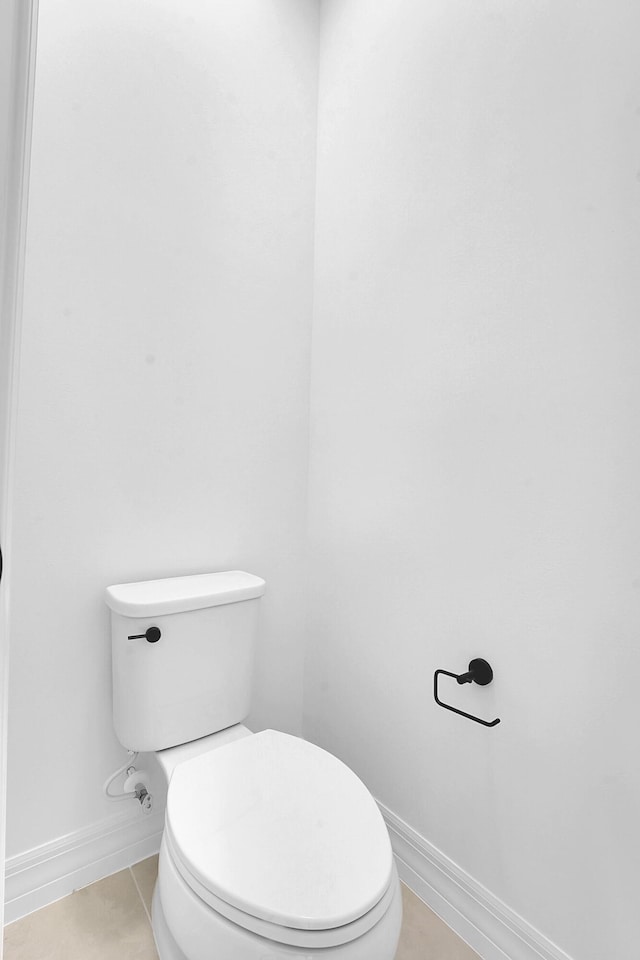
479,672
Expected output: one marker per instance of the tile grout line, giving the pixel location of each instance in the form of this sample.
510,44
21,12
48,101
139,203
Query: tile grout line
144,906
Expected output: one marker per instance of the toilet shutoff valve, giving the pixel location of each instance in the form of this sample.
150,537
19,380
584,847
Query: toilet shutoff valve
137,784
135,787
144,798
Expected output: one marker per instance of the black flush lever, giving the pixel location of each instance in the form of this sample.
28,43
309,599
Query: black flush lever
152,635
479,672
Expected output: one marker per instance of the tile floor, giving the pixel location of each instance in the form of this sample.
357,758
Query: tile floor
110,920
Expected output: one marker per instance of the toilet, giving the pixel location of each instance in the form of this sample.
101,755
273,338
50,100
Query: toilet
272,847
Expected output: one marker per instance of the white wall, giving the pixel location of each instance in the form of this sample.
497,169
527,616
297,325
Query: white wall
17,21
6,50
6,323
475,465
163,416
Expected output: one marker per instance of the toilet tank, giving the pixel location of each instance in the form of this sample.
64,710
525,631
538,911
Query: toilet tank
182,656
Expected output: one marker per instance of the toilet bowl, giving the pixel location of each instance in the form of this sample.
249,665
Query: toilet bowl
272,847
185,928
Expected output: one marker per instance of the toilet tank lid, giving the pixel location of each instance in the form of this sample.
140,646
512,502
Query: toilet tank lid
152,598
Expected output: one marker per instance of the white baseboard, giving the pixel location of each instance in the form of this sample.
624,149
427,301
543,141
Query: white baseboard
55,869
479,918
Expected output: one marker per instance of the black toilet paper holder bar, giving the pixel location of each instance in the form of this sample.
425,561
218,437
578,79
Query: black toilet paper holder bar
479,672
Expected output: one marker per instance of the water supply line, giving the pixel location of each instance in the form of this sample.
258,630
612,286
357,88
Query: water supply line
135,778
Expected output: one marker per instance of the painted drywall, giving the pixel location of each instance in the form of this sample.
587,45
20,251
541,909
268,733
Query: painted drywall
163,414
474,459
6,50
11,83
17,24
6,324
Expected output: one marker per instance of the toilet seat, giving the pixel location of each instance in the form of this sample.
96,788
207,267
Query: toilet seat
282,838
173,872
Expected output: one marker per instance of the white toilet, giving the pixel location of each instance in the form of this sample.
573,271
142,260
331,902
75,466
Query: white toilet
272,847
